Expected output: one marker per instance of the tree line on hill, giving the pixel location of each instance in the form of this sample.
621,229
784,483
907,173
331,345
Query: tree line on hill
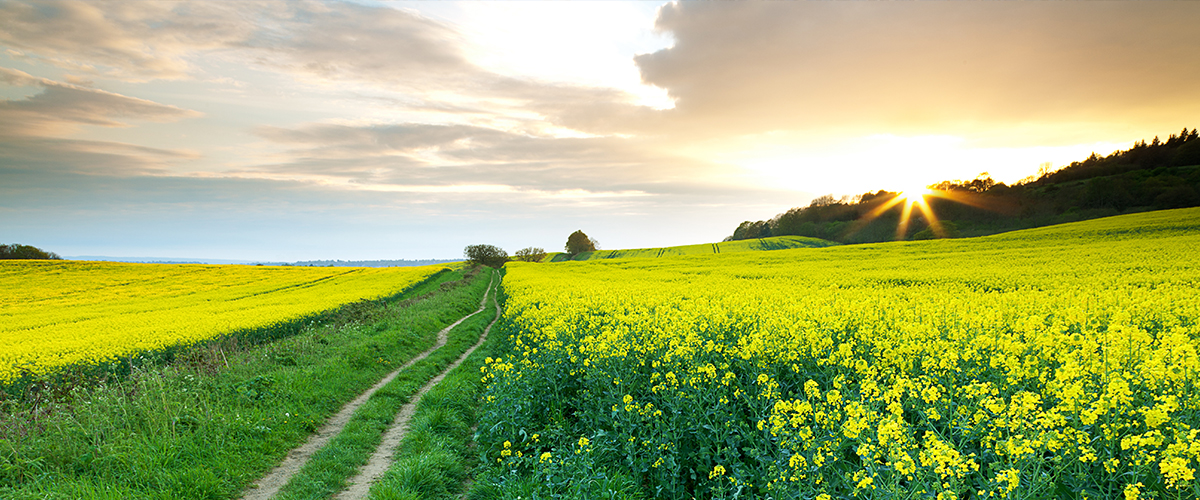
1148,176
17,251
494,256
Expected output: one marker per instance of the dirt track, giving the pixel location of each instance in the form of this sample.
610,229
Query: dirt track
360,486
270,484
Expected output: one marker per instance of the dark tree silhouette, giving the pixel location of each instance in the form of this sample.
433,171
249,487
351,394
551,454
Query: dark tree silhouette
16,251
1154,174
578,242
488,255
530,254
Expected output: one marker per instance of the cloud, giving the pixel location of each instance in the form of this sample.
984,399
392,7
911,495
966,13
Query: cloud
343,41
33,129
132,41
138,41
62,107
421,157
925,67
395,51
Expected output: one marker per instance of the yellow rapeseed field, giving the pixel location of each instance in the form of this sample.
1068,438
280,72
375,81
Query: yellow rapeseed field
61,313
1058,362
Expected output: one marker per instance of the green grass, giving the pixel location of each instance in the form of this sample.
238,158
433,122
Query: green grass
221,415
760,244
329,469
437,455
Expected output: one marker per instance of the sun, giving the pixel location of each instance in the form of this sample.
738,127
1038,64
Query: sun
914,194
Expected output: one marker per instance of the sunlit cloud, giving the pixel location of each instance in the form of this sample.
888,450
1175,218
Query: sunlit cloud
886,161
538,114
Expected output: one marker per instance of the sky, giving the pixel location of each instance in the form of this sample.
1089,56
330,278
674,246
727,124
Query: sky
283,131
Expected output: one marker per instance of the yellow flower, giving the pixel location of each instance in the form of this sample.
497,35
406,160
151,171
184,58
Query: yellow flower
1132,491
1010,479
717,471
1175,470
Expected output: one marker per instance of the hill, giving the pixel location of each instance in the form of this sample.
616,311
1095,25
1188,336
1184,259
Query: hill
882,370
1149,176
754,245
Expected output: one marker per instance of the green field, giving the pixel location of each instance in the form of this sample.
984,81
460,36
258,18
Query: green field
760,244
220,415
1058,362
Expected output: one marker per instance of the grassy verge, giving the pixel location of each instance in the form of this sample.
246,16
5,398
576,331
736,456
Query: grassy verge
437,455
220,416
329,469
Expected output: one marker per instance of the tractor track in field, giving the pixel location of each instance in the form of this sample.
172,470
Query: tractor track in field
359,487
269,485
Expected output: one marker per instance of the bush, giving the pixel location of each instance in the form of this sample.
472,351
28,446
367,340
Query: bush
530,254
16,251
949,230
579,242
488,255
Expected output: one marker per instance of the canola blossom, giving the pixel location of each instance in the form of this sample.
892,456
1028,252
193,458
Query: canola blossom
1053,362
62,313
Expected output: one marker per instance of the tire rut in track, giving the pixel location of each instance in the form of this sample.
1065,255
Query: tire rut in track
359,487
275,480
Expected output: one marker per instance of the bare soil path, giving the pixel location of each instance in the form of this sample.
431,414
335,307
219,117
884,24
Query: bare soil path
269,485
359,487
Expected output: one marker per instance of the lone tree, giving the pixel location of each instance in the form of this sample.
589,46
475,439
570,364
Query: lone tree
530,254
15,251
578,243
488,255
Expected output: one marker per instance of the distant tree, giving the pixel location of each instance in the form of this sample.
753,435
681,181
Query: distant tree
823,201
750,230
1188,153
578,242
1105,192
949,230
488,255
530,254
1178,197
981,184
16,251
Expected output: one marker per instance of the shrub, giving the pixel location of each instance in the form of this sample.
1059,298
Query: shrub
530,254
579,242
488,255
16,251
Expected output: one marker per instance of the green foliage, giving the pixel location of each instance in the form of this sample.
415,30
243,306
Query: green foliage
438,452
487,255
329,469
220,415
578,242
530,254
1148,176
17,251
948,229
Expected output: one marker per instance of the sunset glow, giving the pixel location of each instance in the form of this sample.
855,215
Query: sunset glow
410,129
